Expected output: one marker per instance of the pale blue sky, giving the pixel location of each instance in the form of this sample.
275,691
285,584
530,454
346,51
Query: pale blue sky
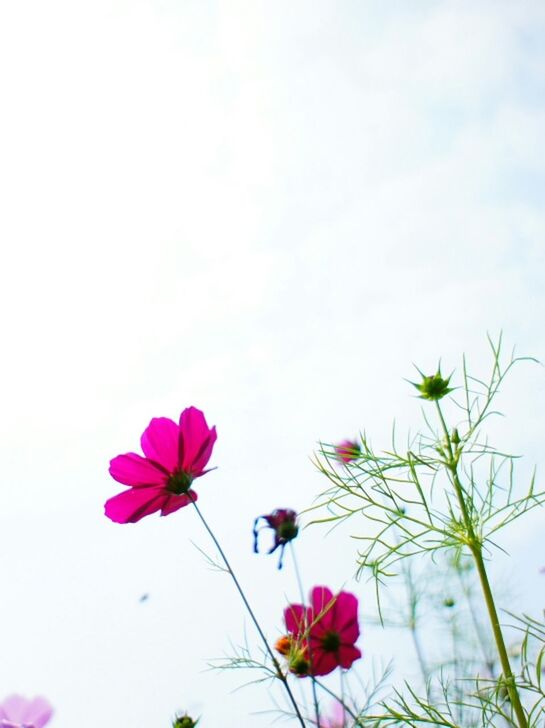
268,211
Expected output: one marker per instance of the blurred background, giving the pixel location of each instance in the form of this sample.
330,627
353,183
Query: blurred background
270,211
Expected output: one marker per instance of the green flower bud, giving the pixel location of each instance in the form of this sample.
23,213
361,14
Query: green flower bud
184,721
448,602
433,387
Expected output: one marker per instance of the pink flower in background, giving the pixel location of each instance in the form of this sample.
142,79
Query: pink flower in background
336,717
347,450
161,481
18,712
327,630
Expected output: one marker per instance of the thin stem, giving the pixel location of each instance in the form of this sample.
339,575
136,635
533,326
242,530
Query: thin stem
345,706
302,595
475,546
250,611
413,621
341,680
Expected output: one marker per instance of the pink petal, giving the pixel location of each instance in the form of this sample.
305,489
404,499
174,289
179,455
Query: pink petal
39,712
133,469
175,502
194,439
323,607
346,617
14,708
347,654
132,505
323,662
160,442
295,617
203,456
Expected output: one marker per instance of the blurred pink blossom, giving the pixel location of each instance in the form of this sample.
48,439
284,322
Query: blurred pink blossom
19,712
348,450
336,717
174,456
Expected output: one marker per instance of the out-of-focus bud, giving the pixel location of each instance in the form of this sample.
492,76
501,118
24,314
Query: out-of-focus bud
348,450
449,602
283,645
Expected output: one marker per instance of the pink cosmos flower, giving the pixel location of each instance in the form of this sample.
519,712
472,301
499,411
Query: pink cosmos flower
161,481
18,712
326,631
348,450
336,718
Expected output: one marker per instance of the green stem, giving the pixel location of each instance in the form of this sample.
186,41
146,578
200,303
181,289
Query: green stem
488,661
302,595
250,611
476,548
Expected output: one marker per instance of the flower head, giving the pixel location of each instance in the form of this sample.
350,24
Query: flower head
348,450
19,712
283,521
433,387
161,481
327,629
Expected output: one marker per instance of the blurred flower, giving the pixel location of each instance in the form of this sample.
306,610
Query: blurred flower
283,522
433,387
326,630
19,712
348,450
336,718
184,721
174,456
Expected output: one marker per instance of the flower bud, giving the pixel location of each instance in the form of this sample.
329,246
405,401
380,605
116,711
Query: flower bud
348,450
283,521
184,721
283,645
434,387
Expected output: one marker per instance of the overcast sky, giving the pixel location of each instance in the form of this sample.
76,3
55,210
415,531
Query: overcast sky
268,210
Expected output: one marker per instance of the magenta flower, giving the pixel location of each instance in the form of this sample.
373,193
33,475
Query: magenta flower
161,481
18,712
347,450
326,631
283,521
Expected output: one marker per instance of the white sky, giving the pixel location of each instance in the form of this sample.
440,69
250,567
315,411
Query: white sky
269,211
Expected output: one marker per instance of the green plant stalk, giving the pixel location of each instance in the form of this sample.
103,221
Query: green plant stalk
250,611
476,549
302,595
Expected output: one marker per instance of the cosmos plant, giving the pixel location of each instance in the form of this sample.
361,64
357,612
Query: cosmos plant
427,515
